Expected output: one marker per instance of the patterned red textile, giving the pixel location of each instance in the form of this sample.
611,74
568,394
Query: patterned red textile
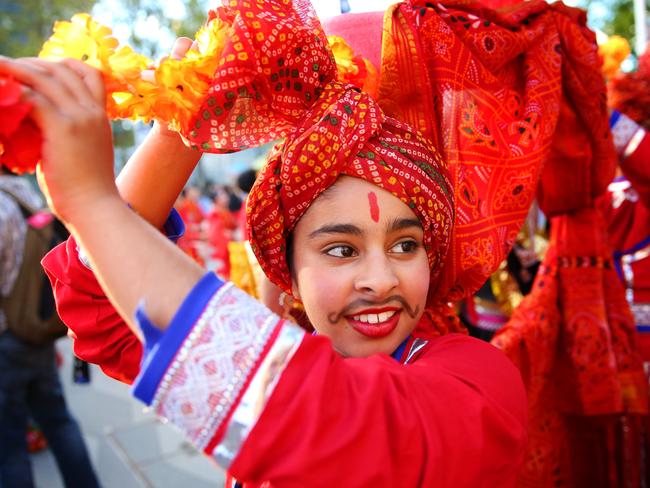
489,89
273,67
493,121
573,339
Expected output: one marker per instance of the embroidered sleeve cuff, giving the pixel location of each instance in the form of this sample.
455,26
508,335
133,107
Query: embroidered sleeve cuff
214,382
161,348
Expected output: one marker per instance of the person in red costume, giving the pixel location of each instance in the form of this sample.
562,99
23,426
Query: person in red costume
220,227
378,397
190,211
626,207
573,340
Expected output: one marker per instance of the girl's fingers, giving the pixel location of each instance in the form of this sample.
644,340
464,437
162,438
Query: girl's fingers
83,81
91,77
43,111
181,46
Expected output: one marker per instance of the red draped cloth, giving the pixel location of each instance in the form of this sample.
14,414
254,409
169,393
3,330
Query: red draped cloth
574,341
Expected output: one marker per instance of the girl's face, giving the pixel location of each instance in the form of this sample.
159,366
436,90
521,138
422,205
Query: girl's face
360,268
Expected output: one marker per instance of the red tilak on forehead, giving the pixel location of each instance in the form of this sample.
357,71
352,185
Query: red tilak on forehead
374,207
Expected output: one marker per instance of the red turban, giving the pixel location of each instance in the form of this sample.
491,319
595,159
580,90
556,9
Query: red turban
277,79
346,133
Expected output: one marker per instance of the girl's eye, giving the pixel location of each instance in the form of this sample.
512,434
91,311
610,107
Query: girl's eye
341,251
405,247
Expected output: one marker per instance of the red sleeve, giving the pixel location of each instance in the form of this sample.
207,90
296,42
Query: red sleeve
99,333
455,417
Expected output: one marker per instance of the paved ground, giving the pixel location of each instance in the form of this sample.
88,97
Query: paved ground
130,448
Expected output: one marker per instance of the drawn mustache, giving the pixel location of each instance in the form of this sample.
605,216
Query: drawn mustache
361,303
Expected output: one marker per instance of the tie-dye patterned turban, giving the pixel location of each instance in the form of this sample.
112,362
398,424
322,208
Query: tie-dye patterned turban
277,79
346,133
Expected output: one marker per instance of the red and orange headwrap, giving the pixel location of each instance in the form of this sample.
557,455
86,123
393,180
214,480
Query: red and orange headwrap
278,79
346,133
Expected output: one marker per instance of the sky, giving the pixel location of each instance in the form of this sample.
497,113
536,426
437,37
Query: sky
106,13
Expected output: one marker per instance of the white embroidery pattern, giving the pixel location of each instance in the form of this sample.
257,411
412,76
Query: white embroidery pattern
641,313
205,379
254,399
623,131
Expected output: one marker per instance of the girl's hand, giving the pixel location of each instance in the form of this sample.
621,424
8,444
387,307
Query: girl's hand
68,103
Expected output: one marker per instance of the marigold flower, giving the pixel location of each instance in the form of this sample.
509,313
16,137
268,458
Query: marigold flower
82,38
352,68
613,52
20,140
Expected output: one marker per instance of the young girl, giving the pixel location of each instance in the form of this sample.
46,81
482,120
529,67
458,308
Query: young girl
353,216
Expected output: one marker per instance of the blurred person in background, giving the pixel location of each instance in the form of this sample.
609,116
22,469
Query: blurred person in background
29,380
220,227
245,182
190,211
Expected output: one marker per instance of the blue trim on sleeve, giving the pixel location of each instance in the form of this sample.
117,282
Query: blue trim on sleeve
618,255
160,348
174,227
633,249
613,118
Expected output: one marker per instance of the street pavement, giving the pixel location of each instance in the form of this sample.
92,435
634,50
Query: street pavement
129,447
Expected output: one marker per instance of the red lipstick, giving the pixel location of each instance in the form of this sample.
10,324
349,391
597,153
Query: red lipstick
377,330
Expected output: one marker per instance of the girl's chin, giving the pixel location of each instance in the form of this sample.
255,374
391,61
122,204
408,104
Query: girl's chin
367,347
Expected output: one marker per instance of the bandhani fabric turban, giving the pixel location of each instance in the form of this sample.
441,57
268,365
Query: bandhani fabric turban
278,79
346,133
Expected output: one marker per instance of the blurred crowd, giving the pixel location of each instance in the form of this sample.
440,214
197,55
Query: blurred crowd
214,216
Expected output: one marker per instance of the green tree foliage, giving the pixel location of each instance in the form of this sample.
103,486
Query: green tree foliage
621,21
26,24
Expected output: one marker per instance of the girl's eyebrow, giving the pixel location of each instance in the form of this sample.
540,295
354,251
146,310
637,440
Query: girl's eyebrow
351,229
401,224
336,229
